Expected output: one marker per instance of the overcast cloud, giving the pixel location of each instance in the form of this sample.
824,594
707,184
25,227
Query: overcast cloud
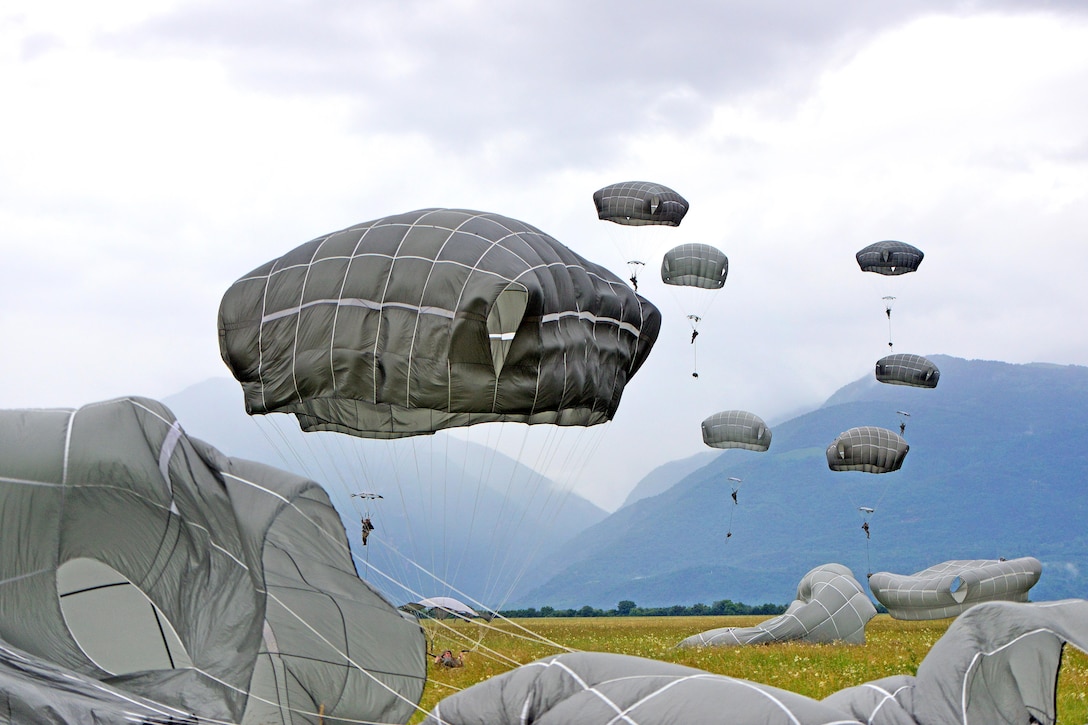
156,151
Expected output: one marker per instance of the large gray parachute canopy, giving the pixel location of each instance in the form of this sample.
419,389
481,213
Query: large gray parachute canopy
868,449
146,576
640,203
949,588
736,429
695,265
830,606
904,369
599,688
889,258
433,319
997,663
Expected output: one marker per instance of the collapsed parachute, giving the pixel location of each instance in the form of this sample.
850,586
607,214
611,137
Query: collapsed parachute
889,258
830,606
433,319
145,570
640,203
949,588
904,369
695,265
868,449
736,429
996,659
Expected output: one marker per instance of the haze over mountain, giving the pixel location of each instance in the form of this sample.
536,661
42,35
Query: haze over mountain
455,517
997,467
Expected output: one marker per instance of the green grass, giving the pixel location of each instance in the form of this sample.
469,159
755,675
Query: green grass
892,647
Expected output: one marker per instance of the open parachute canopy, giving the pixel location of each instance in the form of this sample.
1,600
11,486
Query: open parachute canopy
889,258
640,203
736,429
695,265
904,369
433,319
868,449
146,577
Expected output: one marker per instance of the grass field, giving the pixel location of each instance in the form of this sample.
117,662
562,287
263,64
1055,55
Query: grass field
892,647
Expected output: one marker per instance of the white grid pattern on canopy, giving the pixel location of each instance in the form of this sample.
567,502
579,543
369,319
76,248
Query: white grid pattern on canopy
736,429
906,369
867,448
889,258
640,203
431,319
830,607
949,588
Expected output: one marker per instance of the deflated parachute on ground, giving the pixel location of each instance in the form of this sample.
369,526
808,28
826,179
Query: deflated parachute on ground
695,265
997,663
830,606
146,576
904,369
889,258
868,449
736,429
949,588
433,319
640,203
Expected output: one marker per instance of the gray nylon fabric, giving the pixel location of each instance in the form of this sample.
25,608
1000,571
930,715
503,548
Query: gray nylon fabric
249,566
950,588
597,687
831,606
640,203
695,265
996,665
433,319
890,258
906,369
868,449
736,429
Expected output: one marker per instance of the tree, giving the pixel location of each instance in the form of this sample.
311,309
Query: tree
625,607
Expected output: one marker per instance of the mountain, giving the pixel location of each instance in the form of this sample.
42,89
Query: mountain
455,518
998,466
663,477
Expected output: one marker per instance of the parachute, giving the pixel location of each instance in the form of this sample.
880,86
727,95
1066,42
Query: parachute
995,660
144,569
434,319
695,265
889,258
736,429
640,203
903,369
830,606
950,588
868,449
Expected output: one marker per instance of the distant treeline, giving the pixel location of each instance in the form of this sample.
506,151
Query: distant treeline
627,608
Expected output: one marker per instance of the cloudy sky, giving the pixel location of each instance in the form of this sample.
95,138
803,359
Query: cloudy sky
155,151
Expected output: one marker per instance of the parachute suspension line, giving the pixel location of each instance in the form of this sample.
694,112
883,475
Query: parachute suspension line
735,484
888,300
577,456
694,320
529,635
